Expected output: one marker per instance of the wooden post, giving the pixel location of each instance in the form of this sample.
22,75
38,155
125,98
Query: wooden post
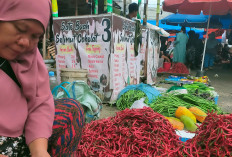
145,12
76,6
44,45
146,56
157,12
124,7
105,6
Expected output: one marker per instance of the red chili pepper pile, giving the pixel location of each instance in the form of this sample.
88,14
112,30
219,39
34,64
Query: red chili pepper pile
160,70
214,138
179,68
136,132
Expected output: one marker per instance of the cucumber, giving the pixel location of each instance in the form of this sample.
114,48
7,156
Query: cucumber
188,123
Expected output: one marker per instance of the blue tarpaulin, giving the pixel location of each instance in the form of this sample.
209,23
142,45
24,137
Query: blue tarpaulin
201,32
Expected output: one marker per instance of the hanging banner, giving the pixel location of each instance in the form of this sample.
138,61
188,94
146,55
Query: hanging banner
125,66
84,43
142,54
153,56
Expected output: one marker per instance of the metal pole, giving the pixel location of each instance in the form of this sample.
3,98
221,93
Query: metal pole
207,32
157,12
145,12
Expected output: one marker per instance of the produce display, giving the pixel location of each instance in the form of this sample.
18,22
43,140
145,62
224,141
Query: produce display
203,79
188,123
200,89
199,114
168,104
176,123
214,138
128,98
184,111
143,132
178,68
132,132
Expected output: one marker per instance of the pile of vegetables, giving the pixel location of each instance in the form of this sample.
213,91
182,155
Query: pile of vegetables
128,98
214,137
179,68
132,132
168,104
200,89
187,118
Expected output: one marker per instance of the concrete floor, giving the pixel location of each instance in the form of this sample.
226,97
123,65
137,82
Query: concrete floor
222,85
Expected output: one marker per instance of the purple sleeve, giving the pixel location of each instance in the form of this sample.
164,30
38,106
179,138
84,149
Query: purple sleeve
40,119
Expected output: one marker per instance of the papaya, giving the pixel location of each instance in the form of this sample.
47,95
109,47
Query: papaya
184,111
176,123
173,118
188,123
198,113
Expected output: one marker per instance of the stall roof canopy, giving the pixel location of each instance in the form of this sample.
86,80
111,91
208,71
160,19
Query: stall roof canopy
168,28
171,27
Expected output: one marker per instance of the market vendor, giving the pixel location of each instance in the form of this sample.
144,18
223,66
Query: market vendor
27,107
133,11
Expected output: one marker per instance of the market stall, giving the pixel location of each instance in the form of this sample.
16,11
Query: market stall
104,45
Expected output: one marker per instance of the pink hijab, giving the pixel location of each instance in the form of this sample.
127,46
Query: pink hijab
30,69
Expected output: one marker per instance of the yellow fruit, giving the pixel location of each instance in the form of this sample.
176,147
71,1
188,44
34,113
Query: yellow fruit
176,123
173,118
199,114
184,111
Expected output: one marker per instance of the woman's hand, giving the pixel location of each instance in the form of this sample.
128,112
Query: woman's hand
38,148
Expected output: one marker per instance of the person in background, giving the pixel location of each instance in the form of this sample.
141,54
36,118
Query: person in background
199,50
163,46
163,49
170,48
133,11
31,123
211,51
226,57
191,40
180,46
191,50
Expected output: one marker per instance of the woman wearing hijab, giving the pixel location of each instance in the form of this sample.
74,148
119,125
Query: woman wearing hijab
27,107
179,54
211,51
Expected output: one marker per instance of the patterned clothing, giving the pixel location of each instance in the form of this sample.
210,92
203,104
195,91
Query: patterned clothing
67,130
14,146
67,127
